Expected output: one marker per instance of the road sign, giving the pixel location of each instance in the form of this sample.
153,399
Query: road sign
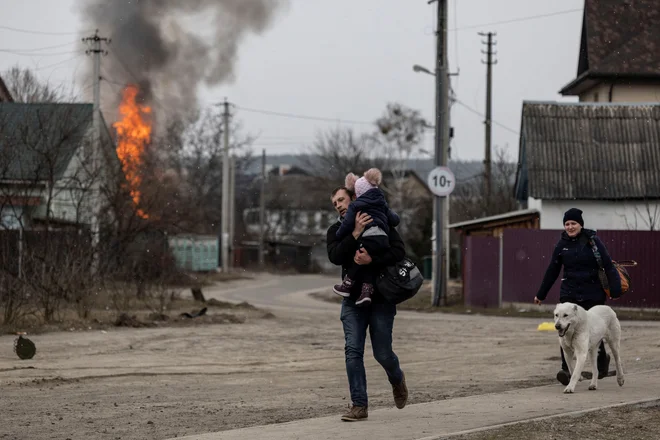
441,181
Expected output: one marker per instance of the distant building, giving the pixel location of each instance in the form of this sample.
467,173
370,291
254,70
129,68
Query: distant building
602,154
299,211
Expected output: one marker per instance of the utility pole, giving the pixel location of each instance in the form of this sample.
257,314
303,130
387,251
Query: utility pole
225,192
489,104
262,211
96,52
232,208
441,155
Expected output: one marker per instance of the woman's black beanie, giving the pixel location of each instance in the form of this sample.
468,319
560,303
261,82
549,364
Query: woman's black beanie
575,215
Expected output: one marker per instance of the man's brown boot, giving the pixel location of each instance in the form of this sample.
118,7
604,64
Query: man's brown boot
400,393
355,414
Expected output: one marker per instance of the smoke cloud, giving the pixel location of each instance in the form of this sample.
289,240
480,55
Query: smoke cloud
153,45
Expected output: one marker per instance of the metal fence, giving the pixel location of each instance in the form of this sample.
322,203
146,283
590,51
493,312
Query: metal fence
481,271
510,268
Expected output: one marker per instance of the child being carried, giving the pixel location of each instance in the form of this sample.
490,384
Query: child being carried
375,238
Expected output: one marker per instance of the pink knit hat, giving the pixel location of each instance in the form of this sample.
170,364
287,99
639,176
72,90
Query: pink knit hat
371,179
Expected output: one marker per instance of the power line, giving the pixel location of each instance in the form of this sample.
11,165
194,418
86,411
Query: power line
307,117
110,81
477,112
31,54
58,63
27,31
519,19
57,46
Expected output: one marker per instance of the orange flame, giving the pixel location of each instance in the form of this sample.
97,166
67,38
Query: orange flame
133,135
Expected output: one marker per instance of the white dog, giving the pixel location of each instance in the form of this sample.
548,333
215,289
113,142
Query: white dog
580,332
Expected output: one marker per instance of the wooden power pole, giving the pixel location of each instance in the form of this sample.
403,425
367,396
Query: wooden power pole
489,111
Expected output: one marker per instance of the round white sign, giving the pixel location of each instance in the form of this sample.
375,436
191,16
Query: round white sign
441,181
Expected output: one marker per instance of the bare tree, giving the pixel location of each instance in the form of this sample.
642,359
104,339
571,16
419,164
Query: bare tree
25,86
468,201
389,146
46,193
399,133
200,163
646,218
180,173
340,151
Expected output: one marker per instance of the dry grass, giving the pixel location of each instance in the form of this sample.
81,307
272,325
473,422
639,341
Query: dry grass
117,304
202,279
641,422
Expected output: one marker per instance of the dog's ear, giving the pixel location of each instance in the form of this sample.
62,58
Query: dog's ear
575,307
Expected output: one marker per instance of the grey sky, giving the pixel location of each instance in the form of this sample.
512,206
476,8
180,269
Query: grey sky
345,59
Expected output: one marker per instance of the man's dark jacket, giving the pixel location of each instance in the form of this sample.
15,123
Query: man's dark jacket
341,252
580,281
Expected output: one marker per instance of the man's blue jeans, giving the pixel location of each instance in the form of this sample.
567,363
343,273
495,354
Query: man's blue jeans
379,319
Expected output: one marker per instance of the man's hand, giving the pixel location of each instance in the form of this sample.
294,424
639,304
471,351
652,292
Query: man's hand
361,222
537,301
362,257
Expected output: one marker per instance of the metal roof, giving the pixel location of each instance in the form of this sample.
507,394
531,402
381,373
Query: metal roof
37,141
505,216
589,151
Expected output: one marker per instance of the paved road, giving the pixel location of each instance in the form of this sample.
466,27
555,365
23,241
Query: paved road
425,421
447,418
277,292
292,293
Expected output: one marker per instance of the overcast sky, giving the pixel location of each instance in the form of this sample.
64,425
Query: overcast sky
346,59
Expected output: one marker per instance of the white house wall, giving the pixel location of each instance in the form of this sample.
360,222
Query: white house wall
637,93
72,198
603,215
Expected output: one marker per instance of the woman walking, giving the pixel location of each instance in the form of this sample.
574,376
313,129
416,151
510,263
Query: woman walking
580,284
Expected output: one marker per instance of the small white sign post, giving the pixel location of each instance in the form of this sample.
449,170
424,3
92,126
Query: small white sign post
441,181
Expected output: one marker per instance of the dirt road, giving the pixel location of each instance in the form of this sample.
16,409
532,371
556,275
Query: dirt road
167,382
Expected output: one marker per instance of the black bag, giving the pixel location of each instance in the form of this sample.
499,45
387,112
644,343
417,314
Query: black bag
399,282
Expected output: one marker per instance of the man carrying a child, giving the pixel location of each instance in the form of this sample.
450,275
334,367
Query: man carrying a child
350,250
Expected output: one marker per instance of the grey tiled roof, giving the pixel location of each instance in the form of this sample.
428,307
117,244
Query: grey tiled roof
37,141
622,36
619,39
589,151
